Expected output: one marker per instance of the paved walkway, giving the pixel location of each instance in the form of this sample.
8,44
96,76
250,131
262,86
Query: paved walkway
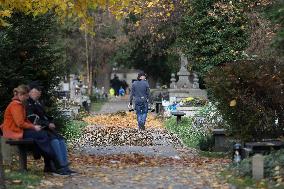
107,167
114,105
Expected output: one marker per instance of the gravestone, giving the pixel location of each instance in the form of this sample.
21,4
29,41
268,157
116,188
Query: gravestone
187,84
257,167
220,140
183,74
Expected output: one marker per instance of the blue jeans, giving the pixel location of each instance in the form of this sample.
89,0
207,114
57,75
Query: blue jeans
60,150
141,111
42,142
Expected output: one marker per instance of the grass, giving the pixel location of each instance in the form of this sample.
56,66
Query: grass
190,136
22,180
73,129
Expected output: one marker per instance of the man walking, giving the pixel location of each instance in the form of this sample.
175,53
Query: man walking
140,91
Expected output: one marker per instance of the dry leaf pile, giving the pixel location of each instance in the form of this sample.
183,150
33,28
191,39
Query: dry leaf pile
126,160
122,119
117,136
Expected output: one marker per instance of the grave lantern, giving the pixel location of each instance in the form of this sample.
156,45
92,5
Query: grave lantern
237,153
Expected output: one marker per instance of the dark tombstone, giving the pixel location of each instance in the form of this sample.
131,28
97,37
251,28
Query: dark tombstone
219,140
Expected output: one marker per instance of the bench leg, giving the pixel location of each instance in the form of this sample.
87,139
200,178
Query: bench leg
178,119
23,159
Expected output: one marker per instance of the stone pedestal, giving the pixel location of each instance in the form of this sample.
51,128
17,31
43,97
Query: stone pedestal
184,93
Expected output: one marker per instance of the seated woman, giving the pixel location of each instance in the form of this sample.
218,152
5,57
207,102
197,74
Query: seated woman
17,126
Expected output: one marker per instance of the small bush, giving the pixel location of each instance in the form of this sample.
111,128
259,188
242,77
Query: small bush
206,143
249,95
190,134
73,129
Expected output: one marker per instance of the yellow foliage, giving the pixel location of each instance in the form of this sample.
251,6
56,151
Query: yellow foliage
79,9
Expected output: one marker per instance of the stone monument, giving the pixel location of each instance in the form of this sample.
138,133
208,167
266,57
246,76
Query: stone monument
183,74
187,84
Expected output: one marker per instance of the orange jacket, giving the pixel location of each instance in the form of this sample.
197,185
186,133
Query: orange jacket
15,120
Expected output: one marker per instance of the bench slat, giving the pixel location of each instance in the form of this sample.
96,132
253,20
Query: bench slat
20,142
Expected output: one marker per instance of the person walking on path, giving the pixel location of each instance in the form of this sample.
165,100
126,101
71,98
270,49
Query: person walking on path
140,92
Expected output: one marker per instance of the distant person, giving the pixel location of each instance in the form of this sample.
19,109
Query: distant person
140,92
124,85
115,84
111,92
121,92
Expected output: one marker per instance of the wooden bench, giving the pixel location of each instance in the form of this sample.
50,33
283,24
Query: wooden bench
24,146
178,114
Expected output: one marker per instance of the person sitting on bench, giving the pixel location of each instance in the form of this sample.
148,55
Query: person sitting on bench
16,125
37,115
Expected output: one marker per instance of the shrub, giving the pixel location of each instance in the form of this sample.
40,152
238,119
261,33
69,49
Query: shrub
210,117
190,134
206,143
249,95
73,129
30,50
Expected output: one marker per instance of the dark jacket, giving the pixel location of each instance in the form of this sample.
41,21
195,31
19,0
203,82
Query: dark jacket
36,113
140,92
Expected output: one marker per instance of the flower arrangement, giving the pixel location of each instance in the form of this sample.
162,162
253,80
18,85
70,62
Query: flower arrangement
193,101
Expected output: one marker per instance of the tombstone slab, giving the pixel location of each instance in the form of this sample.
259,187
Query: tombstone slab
257,167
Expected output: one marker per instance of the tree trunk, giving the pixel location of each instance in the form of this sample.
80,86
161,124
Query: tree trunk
87,62
103,75
2,182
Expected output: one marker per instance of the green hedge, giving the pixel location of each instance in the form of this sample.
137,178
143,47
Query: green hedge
73,129
191,136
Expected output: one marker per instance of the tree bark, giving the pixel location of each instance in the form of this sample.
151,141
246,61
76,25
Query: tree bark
87,62
2,178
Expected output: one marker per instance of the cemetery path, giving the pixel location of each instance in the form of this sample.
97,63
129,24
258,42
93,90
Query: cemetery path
115,105
161,162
